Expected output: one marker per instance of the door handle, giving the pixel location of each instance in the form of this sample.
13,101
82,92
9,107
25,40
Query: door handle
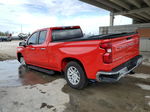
32,48
42,48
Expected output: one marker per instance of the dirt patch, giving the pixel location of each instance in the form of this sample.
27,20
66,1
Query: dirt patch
43,105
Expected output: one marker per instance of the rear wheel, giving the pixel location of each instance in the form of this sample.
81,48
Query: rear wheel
75,75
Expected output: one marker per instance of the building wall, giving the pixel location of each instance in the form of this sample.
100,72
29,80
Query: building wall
144,32
122,28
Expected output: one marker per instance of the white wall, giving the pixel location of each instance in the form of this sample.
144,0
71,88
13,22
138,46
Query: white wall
145,44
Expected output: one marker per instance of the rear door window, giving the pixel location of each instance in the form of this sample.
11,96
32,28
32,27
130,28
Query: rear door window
42,37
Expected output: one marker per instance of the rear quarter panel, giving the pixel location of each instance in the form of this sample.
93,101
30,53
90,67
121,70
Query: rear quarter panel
87,52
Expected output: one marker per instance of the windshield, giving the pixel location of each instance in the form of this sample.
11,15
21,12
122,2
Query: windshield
65,34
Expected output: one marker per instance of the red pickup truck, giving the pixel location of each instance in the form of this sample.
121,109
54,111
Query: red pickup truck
65,49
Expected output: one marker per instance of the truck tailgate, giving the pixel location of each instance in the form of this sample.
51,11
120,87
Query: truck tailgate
125,48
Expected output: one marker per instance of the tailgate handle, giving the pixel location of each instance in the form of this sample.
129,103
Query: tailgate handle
129,38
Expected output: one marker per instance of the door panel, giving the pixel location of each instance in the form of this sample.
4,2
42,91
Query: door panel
30,50
41,50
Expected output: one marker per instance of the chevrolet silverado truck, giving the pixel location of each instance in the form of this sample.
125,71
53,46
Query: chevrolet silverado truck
65,49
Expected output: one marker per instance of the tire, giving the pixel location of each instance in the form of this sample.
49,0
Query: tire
22,61
75,75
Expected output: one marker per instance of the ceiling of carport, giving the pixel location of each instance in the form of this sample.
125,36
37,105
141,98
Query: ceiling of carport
138,10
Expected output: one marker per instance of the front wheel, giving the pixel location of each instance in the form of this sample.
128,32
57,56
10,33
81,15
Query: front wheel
22,61
75,75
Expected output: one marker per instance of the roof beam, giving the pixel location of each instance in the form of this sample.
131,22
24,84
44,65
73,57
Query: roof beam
148,13
135,3
110,4
133,11
144,15
140,17
136,18
121,3
147,2
98,4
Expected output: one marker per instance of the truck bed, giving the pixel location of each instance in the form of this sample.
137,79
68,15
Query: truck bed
98,37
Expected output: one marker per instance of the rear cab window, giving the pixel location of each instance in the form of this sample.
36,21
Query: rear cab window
65,34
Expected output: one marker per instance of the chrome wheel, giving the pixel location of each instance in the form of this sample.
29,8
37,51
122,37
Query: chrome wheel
73,75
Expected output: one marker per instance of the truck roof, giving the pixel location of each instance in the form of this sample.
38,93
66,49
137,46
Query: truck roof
59,28
64,27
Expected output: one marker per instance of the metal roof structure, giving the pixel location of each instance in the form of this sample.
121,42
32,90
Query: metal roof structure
138,10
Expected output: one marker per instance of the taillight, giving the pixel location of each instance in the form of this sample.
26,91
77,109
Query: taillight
107,56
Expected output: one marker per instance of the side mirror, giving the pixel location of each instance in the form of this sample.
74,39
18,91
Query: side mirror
22,44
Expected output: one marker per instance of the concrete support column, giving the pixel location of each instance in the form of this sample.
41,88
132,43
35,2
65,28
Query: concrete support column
112,18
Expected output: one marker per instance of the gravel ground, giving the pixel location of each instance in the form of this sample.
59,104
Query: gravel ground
44,93
8,50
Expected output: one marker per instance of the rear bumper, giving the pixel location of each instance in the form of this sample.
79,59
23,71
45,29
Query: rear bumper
119,71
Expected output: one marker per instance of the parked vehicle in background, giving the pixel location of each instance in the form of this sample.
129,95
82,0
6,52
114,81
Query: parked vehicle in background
5,38
22,36
101,57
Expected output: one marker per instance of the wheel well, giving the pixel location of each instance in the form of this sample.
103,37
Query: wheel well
18,56
67,60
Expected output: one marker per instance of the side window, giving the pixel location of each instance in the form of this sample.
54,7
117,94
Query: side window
42,37
33,39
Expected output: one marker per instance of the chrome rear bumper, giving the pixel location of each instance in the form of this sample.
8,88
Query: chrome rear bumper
119,71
